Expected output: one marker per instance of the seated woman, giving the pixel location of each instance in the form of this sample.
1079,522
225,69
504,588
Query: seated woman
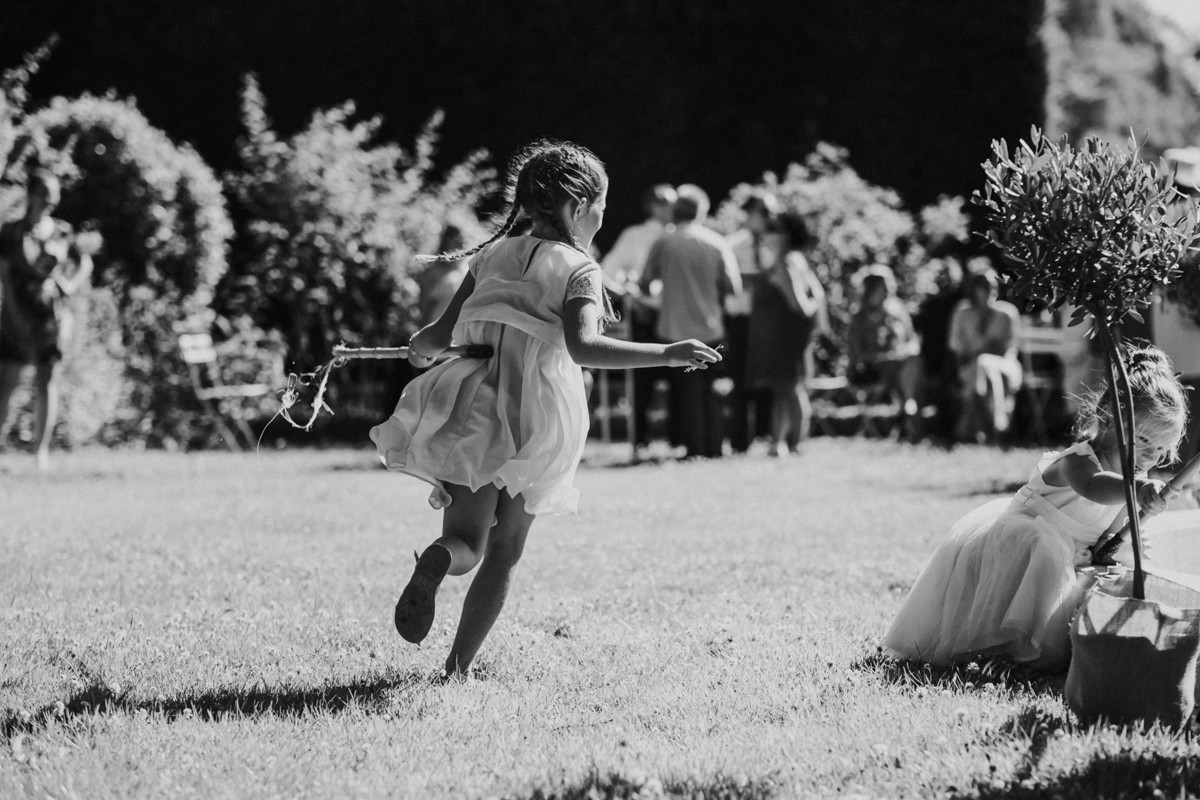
983,336
882,344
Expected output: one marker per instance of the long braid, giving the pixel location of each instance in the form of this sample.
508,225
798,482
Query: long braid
515,168
562,172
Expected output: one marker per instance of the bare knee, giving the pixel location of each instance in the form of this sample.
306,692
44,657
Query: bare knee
505,551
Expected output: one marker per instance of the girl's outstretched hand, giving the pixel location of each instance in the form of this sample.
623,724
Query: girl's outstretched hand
692,354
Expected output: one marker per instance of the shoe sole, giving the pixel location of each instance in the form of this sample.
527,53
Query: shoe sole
415,609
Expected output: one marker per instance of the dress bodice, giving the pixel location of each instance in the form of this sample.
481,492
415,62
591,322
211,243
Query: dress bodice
1090,518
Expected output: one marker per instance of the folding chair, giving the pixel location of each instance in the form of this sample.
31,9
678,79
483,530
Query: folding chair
878,408
222,402
1040,351
823,391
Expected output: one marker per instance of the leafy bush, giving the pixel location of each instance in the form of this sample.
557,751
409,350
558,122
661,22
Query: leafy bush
158,205
16,145
332,219
165,229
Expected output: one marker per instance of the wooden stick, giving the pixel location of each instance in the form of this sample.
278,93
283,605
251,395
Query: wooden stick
459,350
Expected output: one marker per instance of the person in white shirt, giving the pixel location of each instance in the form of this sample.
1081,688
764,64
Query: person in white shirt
624,262
698,272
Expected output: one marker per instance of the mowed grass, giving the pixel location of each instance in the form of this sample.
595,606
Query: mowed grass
215,625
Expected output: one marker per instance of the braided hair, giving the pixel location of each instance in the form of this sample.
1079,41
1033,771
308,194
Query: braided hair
1159,400
542,177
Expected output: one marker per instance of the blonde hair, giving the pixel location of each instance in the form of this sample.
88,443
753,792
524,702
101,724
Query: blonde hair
1159,401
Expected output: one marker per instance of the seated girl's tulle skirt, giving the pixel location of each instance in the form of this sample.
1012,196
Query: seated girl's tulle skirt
517,420
1003,583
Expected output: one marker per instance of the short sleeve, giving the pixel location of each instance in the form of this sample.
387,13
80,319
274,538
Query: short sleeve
587,282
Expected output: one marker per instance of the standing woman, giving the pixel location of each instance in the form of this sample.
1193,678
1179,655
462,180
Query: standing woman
787,307
39,269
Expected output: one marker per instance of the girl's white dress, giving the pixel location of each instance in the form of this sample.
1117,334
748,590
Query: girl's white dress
518,419
1004,581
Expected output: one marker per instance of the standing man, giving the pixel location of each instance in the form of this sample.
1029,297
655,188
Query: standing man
697,271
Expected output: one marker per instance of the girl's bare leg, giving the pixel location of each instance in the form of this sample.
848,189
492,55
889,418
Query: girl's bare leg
489,589
465,525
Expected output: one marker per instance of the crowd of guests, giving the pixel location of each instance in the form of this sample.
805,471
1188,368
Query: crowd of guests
756,294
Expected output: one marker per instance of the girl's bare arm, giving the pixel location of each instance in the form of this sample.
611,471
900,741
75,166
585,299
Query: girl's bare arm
590,348
436,336
1087,478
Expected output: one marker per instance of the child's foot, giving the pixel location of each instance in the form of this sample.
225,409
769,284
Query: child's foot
415,608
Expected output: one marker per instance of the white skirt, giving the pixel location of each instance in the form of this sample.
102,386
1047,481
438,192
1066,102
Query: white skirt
517,420
1003,583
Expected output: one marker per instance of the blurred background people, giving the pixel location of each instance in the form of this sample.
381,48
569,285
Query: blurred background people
40,268
440,279
788,306
623,266
984,335
939,368
696,272
749,404
882,344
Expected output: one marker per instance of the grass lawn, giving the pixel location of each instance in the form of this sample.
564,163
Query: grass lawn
220,626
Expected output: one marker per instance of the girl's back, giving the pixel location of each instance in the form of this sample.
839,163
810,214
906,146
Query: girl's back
524,282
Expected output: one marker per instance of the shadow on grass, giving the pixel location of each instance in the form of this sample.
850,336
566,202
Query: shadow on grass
960,677
618,787
370,694
993,487
1120,775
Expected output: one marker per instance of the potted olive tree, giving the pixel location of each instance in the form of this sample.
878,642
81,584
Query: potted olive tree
1099,228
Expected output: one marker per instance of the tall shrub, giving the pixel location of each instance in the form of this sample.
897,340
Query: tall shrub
330,219
16,145
162,216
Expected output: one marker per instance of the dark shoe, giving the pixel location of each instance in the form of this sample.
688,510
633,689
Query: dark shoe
415,608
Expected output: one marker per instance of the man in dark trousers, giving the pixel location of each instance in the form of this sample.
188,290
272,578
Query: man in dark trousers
697,271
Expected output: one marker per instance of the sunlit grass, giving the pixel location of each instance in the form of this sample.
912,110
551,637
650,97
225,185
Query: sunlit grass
220,626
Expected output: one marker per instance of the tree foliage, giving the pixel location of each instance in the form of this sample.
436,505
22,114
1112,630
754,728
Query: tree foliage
330,221
16,145
165,229
1096,227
